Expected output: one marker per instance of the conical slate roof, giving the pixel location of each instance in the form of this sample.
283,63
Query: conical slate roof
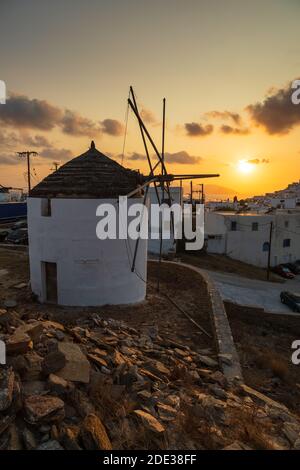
91,175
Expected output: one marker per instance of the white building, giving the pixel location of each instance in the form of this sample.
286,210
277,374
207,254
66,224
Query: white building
245,237
288,198
168,244
219,205
69,265
283,202
4,194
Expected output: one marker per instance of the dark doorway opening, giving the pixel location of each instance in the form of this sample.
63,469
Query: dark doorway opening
51,282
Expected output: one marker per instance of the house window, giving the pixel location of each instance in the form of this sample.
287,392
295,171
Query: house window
286,242
46,208
254,226
266,246
286,223
233,226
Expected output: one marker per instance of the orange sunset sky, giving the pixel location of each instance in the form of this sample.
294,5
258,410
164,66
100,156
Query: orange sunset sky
225,69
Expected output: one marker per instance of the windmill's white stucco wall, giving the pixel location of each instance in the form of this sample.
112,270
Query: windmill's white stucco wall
90,272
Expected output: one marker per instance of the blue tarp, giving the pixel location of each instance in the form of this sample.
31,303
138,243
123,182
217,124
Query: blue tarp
12,210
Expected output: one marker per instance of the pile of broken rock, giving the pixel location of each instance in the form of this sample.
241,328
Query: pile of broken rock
101,384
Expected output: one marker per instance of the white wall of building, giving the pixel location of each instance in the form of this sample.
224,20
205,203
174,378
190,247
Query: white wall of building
4,197
247,244
284,203
90,272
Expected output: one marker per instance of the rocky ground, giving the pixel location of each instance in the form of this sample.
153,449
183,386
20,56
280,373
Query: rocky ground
142,377
264,344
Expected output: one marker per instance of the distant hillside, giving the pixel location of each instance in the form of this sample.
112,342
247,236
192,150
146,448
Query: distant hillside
216,191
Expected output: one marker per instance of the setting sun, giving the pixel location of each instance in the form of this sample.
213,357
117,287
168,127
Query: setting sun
245,167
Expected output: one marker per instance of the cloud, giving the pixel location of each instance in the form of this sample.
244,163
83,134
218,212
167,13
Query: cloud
194,129
14,139
53,154
36,141
181,157
56,154
112,127
148,117
73,123
135,156
9,159
235,117
258,161
23,112
8,139
276,113
225,129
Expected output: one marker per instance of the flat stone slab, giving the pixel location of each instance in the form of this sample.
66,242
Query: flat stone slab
77,367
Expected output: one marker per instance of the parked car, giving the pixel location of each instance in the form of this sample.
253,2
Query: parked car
18,237
290,299
3,234
20,224
283,271
293,267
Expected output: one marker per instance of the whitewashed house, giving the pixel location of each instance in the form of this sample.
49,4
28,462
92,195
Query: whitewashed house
4,194
245,237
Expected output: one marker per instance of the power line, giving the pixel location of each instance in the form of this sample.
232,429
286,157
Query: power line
286,230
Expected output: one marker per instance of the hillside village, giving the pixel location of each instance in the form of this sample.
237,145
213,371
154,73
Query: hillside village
244,230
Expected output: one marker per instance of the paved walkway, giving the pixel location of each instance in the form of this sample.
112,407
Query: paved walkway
254,293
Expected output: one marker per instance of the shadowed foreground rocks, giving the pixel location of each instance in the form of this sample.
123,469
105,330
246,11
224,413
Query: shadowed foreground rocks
101,384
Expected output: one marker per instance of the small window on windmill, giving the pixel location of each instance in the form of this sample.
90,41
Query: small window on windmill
46,207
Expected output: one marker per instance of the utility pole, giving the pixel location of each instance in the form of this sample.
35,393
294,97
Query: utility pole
201,191
27,155
269,252
191,191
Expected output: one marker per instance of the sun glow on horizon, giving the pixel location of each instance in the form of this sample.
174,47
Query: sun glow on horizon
244,167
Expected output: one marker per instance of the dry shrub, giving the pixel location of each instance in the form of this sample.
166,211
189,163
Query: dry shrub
191,427
115,408
277,365
111,405
279,368
248,428
266,359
